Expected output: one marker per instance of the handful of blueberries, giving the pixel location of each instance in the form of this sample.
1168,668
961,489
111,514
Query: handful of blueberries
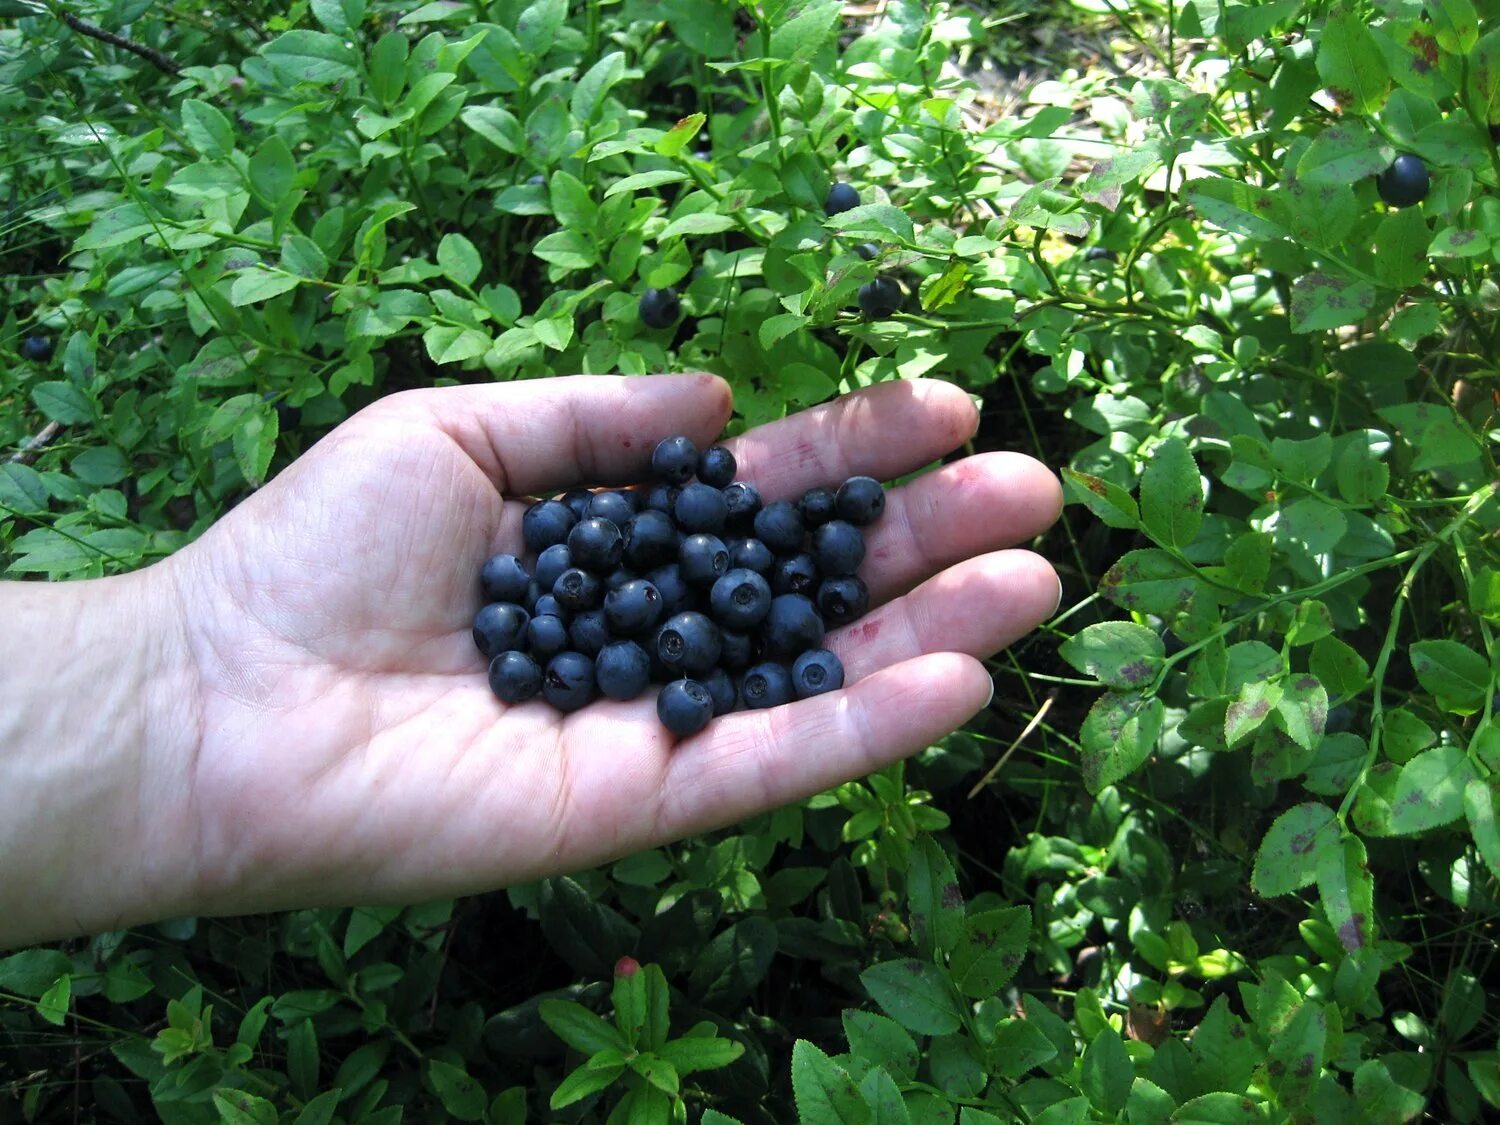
695,584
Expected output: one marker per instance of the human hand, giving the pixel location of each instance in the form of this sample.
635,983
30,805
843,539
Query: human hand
339,741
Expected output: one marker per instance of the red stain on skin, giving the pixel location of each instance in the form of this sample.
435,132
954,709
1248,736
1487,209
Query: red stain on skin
882,553
868,631
626,442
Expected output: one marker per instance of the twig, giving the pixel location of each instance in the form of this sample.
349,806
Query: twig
32,447
162,62
1036,721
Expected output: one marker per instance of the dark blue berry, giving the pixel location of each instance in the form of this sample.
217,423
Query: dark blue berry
742,502
622,670
568,683
551,563
532,596
816,507
546,636
596,544
577,500
514,677
651,540
792,626
765,685
673,588
618,577
1098,254
838,548
716,467
779,526
613,506
689,643
740,600
797,574
841,197
577,590
751,554
1405,183
36,348
842,600
589,632
674,460
660,498
700,507
548,606
660,308
684,707
721,690
737,651
633,609
704,559
546,523
504,579
861,500
499,626
869,251
879,299
815,672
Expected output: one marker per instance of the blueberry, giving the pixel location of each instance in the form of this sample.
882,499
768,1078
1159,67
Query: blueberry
596,544
716,467
660,308
551,563
700,507
838,548
499,626
577,500
569,681
751,554
673,588
842,600
546,523
817,507
1098,254
737,651
660,498
689,643
546,636
618,577
531,597
613,506
766,685
589,633
720,685
815,672
1340,718
1405,182
861,500
841,197
36,348
514,677
742,500
577,590
684,707
633,609
792,626
879,299
651,540
622,670
504,579
797,574
674,460
740,600
704,559
548,606
779,526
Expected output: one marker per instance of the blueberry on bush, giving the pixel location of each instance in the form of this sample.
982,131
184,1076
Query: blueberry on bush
841,197
684,707
869,251
36,348
1405,182
881,298
660,308
514,677
568,683
815,672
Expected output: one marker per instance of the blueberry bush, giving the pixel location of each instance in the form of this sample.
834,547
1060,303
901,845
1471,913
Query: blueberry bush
1224,849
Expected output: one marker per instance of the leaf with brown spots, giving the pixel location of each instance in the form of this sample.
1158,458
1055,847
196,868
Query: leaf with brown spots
1348,891
1288,857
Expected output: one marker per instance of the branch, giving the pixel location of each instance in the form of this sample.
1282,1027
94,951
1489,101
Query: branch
32,447
162,62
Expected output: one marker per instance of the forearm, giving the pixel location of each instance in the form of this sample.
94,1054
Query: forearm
97,729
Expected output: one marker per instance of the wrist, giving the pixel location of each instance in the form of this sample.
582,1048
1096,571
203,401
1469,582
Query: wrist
97,744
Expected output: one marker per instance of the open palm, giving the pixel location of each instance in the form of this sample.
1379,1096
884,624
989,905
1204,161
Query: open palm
349,748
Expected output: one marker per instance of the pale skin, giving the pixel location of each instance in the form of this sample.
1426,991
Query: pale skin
291,711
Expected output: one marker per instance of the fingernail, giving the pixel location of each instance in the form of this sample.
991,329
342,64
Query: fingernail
991,699
1056,604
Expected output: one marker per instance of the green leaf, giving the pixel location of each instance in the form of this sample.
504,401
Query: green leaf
272,171
1401,242
62,402
806,33
934,899
571,202
538,25
1455,674
877,220
1482,807
658,1072
679,136
206,129
1430,790
1348,892
567,250
1107,500
690,1055
641,181
580,1028
451,344
101,465
594,84
237,1107
495,124
1118,735
33,971
994,945
1321,300
702,222
1288,856
459,258
731,965
310,56
882,1041
1219,1108
53,1004
824,1091
302,256
1107,1072
1120,654
1350,63
258,283
342,17
587,1079
321,1109
913,993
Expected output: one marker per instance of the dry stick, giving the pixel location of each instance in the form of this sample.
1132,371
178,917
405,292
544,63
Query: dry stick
94,31
1011,749
32,447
